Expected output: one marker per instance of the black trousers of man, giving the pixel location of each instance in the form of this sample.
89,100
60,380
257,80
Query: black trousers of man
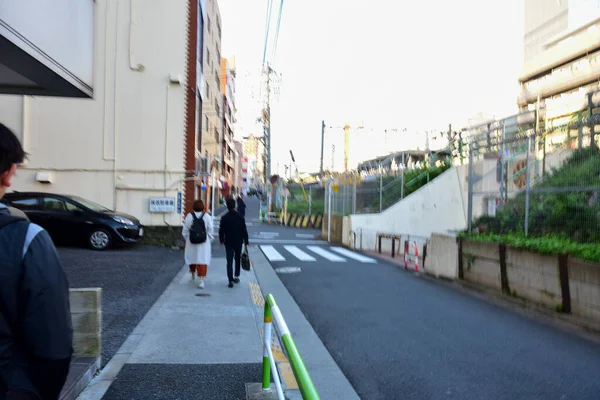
233,252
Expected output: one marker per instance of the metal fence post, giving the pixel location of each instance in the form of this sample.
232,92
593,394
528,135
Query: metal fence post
527,187
380,192
266,374
470,193
310,200
354,196
329,195
403,168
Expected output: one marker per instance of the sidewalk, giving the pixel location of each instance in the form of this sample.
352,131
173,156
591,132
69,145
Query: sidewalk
189,346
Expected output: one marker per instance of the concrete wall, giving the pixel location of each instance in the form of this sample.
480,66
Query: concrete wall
584,286
436,207
86,314
336,228
481,264
442,256
535,277
127,144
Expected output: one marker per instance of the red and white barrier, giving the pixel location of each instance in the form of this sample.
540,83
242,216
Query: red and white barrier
411,247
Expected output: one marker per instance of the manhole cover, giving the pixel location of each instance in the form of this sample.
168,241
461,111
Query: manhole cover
287,270
202,294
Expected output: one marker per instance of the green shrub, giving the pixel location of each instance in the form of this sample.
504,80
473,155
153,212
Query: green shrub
550,245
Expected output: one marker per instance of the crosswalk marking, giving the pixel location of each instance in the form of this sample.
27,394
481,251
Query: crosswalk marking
351,254
299,254
325,254
272,254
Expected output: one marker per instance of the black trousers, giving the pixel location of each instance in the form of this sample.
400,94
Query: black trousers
233,251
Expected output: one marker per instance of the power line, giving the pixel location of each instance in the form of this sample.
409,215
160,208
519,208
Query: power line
267,28
277,31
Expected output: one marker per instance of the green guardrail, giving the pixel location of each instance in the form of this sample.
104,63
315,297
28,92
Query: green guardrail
305,383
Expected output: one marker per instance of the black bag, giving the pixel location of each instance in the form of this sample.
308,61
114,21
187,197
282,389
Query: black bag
246,263
198,230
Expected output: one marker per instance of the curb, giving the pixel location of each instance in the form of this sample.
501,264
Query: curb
324,371
304,221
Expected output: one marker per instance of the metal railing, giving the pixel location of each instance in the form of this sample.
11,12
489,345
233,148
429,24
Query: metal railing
305,384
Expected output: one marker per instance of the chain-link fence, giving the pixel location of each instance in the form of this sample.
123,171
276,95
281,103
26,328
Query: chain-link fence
306,199
537,179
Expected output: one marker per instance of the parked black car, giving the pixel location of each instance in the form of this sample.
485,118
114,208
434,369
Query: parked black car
73,220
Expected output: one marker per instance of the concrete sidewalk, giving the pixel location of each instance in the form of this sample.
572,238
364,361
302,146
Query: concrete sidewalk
189,346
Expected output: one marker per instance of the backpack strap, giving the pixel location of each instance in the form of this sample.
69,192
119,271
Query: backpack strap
7,219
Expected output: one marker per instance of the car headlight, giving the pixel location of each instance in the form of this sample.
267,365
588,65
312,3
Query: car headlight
123,220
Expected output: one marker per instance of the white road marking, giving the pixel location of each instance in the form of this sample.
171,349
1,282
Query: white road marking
299,254
272,254
256,240
305,235
351,254
325,254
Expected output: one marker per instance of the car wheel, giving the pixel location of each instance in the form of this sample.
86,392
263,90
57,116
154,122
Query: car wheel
100,239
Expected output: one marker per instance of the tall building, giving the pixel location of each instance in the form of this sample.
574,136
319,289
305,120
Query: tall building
561,55
135,144
254,153
212,106
228,148
239,181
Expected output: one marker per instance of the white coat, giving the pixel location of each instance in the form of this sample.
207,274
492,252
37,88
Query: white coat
198,253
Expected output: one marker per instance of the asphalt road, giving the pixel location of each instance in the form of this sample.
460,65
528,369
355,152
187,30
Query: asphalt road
398,336
131,279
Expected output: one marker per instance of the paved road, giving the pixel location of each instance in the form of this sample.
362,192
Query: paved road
395,335
131,280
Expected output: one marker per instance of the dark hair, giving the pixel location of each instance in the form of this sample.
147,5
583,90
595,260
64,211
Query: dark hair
11,151
230,203
198,206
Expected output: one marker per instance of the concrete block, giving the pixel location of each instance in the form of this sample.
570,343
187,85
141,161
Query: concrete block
442,256
85,299
86,315
254,392
584,285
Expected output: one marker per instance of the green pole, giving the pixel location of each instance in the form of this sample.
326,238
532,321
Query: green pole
266,375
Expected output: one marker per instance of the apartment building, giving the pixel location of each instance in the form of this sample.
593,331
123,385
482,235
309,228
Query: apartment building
561,56
238,173
212,106
228,124
254,151
133,147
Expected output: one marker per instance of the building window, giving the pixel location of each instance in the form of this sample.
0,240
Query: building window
217,108
206,123
208,24
219,29
216,134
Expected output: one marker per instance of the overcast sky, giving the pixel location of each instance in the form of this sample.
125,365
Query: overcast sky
418,64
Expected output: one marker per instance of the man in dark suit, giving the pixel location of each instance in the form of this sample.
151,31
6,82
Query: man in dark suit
241,206
233,234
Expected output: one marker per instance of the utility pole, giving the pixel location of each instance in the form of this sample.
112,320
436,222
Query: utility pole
322,145
267,125
346,146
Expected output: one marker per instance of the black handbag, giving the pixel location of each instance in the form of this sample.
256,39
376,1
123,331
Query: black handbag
246,263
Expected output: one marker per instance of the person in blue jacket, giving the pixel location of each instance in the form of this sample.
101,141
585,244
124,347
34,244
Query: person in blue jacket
36,332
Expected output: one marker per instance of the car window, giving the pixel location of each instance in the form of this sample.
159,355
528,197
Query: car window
72,207
52,204
25,203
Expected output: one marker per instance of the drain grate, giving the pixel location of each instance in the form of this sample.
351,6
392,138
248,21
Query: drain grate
202,294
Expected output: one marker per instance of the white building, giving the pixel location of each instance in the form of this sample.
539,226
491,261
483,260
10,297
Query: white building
137,138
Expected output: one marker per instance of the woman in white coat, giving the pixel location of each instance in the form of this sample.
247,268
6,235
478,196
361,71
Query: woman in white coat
197,256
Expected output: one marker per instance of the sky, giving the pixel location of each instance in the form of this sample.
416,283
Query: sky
418,65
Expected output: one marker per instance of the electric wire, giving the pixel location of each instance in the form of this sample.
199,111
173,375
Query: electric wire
276,40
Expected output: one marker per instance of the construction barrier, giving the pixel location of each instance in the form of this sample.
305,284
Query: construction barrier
304,221
305,383
411,254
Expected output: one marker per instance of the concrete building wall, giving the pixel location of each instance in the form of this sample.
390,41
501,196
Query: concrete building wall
212,105
543,20
127,143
